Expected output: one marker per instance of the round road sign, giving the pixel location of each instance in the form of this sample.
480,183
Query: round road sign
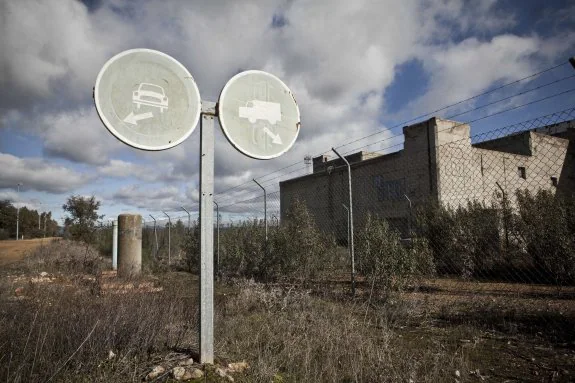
147,99
258,114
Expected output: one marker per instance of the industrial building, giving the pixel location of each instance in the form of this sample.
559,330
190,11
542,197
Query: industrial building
440,161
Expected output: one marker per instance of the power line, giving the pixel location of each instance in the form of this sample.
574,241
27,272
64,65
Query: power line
470,121
408,121
459,102
463,123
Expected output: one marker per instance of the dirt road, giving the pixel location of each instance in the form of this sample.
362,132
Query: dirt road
12,251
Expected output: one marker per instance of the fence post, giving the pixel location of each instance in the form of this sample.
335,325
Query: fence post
18,215
409,216
265,211
348,243
350,222
114,245
189,218
155,236
169,238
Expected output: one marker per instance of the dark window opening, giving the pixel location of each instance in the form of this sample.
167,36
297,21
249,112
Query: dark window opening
522,172
389,190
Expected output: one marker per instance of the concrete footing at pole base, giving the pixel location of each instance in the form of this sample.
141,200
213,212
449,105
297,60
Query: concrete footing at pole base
129,245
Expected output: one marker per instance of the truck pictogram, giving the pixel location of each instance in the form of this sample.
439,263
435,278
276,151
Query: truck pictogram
261,110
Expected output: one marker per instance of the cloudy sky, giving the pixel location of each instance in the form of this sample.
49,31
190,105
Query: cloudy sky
356,68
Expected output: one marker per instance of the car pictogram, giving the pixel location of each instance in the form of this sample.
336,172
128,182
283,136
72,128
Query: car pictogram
152,95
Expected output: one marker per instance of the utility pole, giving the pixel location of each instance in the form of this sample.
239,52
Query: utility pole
169,238
350,221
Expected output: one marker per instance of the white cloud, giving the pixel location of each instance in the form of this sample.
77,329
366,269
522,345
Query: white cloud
151,199
38,175
460,70
77,136
162,172
54,49
338,57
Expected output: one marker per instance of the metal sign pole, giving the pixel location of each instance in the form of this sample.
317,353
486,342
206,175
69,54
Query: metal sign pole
206,330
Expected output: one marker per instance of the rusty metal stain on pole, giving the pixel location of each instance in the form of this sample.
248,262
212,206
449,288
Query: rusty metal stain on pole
350,221
206,331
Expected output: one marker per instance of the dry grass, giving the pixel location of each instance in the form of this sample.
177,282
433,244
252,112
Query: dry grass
63,331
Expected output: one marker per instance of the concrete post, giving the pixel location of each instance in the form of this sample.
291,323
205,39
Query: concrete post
129,245
114,245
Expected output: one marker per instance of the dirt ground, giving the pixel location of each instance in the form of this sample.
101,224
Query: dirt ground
12,251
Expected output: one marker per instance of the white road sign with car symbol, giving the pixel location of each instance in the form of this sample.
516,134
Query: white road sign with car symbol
147,99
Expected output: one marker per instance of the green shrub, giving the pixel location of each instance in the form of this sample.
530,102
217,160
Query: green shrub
298,249
386,263
242,249
191,247
464,242
546,225
438,226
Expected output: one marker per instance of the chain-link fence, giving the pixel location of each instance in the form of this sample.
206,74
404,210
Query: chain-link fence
476,228
460,227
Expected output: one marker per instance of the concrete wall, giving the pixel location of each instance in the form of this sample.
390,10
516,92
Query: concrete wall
473,173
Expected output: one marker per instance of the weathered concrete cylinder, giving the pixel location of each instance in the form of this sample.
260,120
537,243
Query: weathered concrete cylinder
129,245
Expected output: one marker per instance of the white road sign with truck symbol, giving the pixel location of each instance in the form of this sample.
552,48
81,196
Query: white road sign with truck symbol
258,114
147,99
